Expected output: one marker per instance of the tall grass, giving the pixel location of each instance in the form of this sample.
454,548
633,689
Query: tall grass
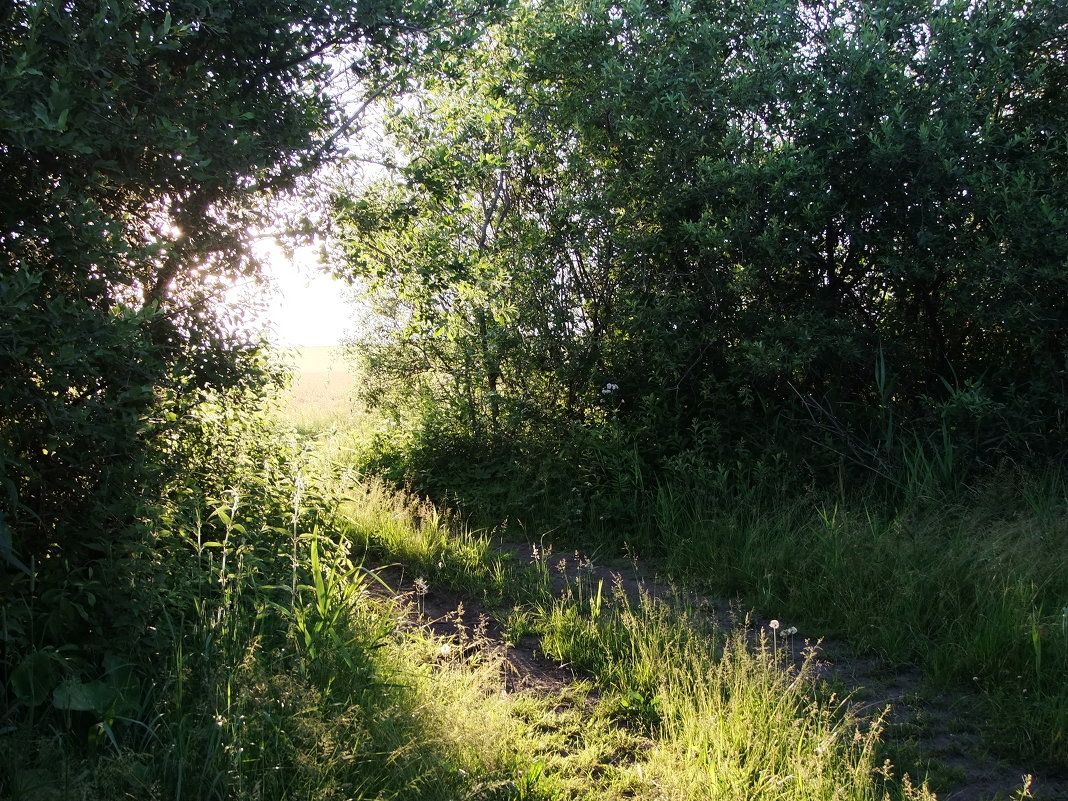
967,579
711,714
972,594
275,663
292,679
731,716
972,587
275,674
283,666
292,682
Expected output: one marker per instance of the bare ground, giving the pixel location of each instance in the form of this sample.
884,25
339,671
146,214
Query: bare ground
935,728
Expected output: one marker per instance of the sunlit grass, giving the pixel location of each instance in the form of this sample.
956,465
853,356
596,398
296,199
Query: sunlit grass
298,673
321,395
684,710
974,591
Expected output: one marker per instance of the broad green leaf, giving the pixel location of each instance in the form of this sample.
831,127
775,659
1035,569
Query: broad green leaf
93,696
36,676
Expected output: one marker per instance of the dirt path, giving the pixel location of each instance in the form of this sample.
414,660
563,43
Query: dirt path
932,728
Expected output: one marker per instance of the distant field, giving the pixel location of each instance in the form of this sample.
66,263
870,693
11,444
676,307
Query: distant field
320,396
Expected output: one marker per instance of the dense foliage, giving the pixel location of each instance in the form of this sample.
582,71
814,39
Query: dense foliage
631,261
839,223
133,137
769,289
139,144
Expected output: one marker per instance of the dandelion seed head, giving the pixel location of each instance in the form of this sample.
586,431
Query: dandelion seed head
773,625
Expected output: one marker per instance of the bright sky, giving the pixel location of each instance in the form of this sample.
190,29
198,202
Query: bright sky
307,307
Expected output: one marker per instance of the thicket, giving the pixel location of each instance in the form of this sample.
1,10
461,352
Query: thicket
139,145
832,231
630,258
775,290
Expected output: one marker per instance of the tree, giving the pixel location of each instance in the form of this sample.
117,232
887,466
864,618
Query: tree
136,140
486,243
773,200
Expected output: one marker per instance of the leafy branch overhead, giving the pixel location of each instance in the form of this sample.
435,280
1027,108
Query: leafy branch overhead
732,213
138,144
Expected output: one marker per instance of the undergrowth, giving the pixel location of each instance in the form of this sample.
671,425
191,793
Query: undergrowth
709,714
267,658
265,668
275,663
966,579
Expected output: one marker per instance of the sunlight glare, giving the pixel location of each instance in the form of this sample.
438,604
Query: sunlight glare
306,307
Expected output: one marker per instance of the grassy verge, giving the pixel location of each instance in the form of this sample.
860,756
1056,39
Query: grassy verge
975,591
268,669
288,679
969,583
683,710
267,659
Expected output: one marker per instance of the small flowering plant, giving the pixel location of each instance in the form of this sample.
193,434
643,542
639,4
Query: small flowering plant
421,587
774,625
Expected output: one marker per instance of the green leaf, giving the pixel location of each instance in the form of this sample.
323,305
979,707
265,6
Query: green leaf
36,676
93,696
7,552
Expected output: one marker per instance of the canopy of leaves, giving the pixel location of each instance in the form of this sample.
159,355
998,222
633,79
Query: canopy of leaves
739,215
137,140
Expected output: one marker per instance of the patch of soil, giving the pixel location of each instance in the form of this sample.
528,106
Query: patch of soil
939,726
936,727
465,625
